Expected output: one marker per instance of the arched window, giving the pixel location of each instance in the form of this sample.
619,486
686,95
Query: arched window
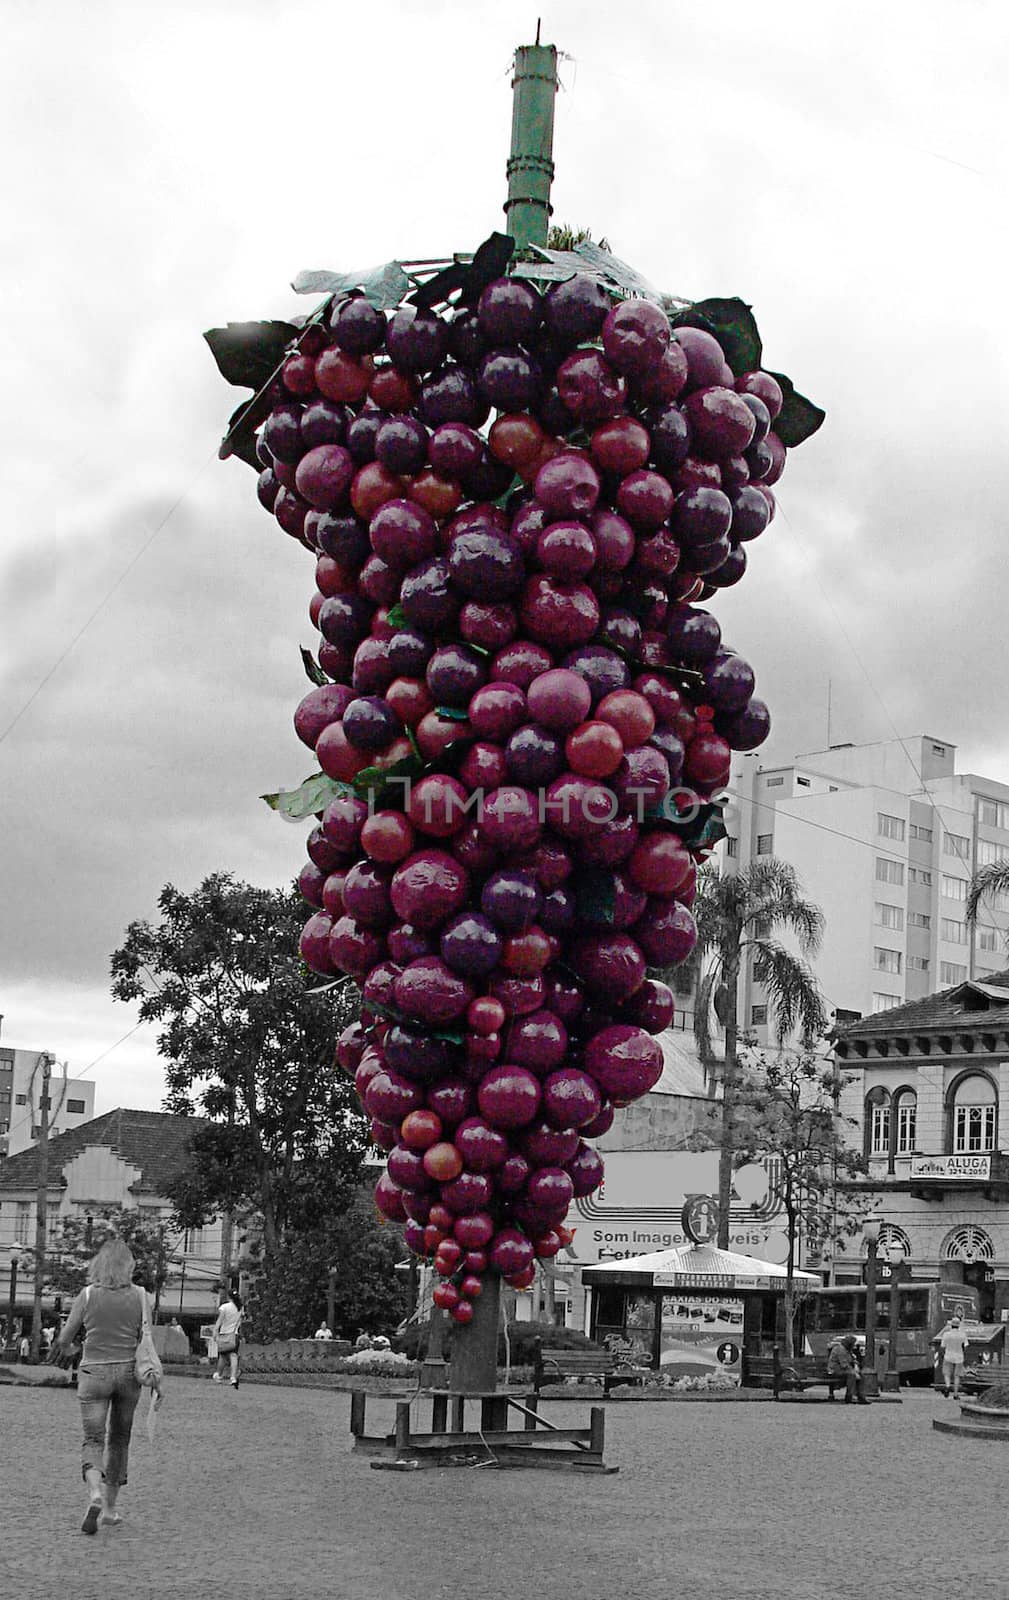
973,1114
907,1117
894,1244
877,1122
968,1243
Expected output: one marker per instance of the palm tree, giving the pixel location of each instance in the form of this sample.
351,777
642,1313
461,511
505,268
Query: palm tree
737,914
986,884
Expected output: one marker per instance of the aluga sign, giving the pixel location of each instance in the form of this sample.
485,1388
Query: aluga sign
951,1166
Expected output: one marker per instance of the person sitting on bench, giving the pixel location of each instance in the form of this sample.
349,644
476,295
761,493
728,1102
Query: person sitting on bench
843,1366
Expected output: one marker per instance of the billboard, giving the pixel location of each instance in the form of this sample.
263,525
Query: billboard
639,1205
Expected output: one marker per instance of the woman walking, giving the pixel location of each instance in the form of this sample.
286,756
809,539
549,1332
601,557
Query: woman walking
111,1311
228,1337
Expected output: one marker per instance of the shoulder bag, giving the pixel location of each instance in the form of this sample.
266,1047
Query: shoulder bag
147,1364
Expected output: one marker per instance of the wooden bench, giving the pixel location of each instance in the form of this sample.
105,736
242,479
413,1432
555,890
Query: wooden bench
780,1372
553,1365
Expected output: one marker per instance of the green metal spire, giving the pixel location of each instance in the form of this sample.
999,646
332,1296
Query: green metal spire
530,165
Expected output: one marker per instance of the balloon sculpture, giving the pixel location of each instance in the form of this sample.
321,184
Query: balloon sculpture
522,716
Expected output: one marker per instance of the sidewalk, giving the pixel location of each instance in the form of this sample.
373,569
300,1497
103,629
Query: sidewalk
256,1494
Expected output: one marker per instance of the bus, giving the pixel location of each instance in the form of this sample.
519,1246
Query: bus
922,1310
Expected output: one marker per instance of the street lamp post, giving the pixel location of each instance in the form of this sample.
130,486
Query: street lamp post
891,1377
332,1276
13,1296
870,1379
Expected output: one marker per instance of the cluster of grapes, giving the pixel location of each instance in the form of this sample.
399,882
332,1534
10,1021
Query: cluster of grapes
508,617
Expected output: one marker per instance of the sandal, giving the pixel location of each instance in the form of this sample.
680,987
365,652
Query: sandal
111,1519
90,1523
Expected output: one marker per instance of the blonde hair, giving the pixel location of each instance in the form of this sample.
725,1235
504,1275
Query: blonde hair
113,1266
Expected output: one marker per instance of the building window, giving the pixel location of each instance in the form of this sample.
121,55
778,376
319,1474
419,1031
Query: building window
773,783
951,972
987,938
919,919
907,1111
917,963
193,1241
889,827
886,960
53,1228
884,1002
953,932
975,1113
23,1222
75,1108
765,843
974,1129
989,853
802,783
36,1130
879,1135
919,875
20,1099
918,832
731,846
992,814
956,844
758,1016
889,871
953,888
890,917
841,1015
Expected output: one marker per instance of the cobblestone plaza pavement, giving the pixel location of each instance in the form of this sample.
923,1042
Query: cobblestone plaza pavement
256,1494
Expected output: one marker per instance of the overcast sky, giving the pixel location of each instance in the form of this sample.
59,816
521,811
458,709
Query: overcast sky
844,168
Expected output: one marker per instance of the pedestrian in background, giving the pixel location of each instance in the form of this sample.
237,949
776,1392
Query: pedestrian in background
111,1310
843,1366
228,1336
323,1331
952,1342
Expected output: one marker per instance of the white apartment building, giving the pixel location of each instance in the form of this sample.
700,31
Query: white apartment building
71,1100
884,839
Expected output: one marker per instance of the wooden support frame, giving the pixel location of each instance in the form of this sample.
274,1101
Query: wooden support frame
448,1442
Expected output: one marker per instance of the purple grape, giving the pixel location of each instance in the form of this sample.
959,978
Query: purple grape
409,652
728,681
576,309
362,434
602,669
370,723
693,635
401,444
358,327
486,564
732,569
470,944
508,312
342,536
747,728
511,899
750,512
510,380
416,340
426,596
282,433
324,422
454,674
700,515
451,395
534,756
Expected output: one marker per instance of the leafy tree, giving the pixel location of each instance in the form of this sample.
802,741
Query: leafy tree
69,1256
247,1036
563,237
289,1298
737,914
787,1107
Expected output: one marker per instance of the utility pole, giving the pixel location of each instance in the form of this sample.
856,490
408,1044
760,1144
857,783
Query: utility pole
41,1206
159,1274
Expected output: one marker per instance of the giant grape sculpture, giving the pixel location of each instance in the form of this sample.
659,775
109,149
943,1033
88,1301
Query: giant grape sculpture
521,714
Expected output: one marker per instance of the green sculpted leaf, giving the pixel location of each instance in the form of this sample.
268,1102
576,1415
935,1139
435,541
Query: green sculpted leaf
387,785
396,617
248,353
383,287
596,897
453,713
313,795
734,326
798,417
312,668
